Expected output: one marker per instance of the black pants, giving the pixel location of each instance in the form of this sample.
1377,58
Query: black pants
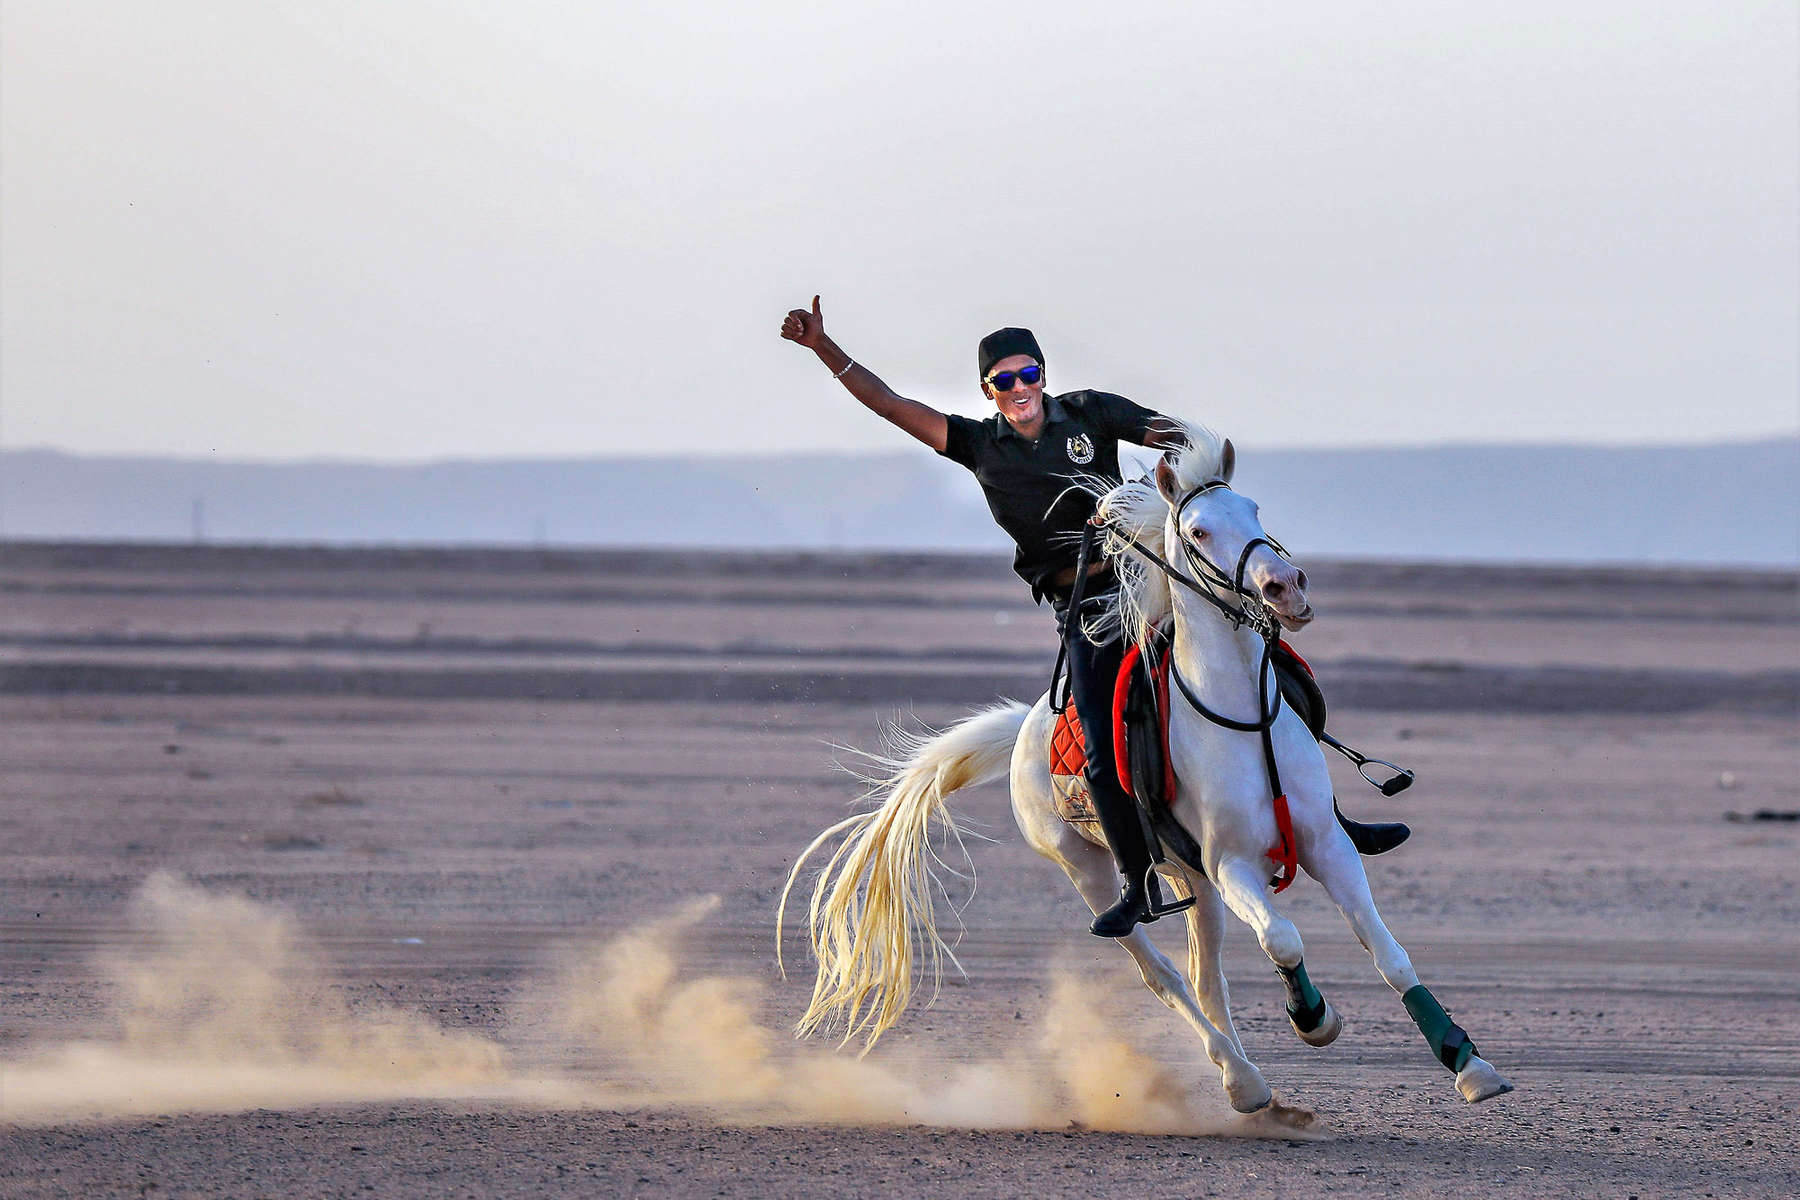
1093,674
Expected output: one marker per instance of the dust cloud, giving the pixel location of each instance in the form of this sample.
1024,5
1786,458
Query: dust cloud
226,1006
223,1006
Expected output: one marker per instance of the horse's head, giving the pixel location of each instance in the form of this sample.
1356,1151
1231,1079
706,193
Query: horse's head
1221,537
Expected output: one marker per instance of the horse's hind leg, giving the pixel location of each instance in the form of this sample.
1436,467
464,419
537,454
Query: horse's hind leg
1206,955
1091,870
1337,866
1244,889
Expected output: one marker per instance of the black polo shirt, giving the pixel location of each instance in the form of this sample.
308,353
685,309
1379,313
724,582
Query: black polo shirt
1031,485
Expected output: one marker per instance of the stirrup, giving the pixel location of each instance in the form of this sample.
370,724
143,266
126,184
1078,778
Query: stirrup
1154,903
1136,906
1401,779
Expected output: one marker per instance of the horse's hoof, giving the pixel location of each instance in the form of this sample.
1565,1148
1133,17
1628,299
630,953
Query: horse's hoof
1247,1090
1325,1032
1478,1081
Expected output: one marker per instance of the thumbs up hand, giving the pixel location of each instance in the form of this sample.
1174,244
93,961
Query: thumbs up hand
807,328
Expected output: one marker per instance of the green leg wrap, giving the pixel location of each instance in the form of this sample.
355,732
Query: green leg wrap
1305,1007
1448,1041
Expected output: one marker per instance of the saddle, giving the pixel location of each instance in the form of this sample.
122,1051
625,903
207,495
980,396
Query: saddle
1140,727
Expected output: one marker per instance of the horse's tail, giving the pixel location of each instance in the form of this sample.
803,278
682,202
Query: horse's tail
873,900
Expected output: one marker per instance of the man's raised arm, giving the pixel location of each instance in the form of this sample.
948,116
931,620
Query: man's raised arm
921,420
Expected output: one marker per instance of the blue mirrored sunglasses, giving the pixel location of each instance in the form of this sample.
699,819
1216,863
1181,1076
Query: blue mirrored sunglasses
1002,381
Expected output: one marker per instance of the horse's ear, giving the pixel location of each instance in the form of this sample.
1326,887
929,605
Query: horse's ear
1227,461
1165,480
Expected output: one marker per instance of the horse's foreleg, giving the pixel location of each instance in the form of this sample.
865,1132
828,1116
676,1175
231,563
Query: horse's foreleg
1337,866
1091,870
1244,888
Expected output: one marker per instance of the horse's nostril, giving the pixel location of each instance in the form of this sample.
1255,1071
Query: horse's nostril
1300,579
1273,590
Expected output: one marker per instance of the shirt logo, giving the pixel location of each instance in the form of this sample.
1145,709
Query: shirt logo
1081,449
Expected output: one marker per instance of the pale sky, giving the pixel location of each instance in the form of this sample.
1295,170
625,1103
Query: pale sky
409,230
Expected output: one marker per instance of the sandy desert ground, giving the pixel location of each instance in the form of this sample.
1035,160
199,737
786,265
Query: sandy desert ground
332,873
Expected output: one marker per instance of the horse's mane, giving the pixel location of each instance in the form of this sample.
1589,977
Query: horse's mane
1136,510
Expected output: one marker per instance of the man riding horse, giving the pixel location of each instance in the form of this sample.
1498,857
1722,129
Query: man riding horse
1028,458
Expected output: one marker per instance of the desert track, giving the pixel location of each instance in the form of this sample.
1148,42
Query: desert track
450,768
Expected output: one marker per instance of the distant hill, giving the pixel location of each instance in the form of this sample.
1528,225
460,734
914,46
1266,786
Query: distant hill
1736,503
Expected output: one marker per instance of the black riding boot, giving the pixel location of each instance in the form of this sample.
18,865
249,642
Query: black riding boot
1376,838
1093,671
1124,829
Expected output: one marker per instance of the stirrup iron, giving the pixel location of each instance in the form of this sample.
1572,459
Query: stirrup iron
1154,904
1398,782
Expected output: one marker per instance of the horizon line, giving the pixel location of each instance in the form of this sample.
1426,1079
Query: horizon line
453,460
997,555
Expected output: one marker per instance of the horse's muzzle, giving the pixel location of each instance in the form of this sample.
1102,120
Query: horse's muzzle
1294,622
1283,588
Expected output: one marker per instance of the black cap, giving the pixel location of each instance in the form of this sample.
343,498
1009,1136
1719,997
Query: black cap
1004,343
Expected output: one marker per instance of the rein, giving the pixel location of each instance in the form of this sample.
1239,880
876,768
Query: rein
1072,615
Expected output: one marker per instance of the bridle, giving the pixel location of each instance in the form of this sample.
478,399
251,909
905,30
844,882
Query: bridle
1249,609
1208,578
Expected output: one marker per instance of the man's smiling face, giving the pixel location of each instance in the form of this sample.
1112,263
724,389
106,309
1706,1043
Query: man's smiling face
1023,404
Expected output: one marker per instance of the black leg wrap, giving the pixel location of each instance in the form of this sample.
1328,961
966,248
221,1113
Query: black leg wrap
1305,1016
1308,1019
1454,1041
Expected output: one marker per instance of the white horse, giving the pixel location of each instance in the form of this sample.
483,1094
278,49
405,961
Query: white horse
872,911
